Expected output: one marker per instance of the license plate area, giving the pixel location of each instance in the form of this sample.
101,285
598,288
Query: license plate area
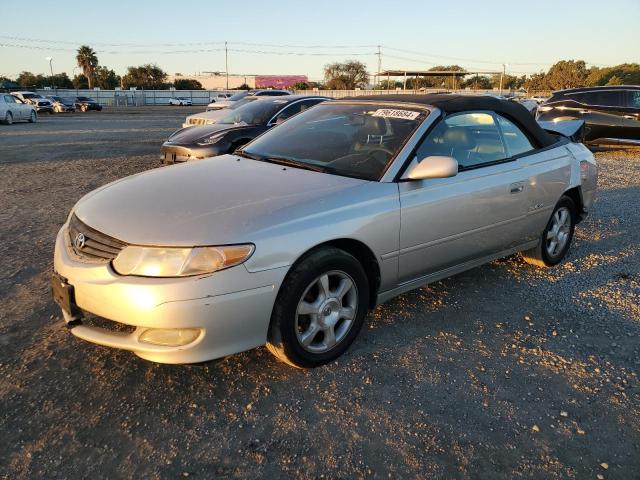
64,296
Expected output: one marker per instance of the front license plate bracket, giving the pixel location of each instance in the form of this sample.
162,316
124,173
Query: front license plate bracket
64,296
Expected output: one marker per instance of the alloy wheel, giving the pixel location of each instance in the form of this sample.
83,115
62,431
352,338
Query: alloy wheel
326,311
559,231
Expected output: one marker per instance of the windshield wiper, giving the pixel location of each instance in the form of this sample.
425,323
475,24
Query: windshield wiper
241,153
292,163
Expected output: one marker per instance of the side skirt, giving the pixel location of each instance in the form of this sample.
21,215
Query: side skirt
448,272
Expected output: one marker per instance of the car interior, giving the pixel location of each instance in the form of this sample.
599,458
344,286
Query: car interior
472,139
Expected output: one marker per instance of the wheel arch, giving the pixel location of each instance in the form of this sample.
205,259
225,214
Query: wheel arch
362,253
575,194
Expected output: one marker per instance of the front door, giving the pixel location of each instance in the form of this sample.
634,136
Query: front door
479,212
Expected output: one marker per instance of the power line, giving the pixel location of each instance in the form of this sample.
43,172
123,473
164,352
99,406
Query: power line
224,46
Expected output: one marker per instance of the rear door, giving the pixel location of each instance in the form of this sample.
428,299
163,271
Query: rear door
631,113
16,107
607,113
479,212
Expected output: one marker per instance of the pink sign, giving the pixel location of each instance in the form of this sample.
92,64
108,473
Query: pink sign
279,81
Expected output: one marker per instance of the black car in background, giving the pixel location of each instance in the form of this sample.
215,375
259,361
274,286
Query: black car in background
611,114
86,103
233,130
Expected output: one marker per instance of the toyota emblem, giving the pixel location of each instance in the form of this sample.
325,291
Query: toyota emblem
78,242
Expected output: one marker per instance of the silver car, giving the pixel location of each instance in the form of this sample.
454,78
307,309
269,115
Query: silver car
291,240
12,109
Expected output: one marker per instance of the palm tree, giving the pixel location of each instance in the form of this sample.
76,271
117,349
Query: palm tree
87,61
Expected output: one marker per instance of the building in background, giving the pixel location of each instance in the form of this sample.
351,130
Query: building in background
279,81
218,80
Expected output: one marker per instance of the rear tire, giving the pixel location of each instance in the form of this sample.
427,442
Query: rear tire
33,117
319,310
556,238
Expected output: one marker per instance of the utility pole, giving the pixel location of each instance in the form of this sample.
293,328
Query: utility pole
379,63
51,69
226,63
504,73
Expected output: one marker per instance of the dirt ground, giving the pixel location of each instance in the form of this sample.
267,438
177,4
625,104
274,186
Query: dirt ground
502,372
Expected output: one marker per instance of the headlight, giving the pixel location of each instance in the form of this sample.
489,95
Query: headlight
545,108
179,262
211,140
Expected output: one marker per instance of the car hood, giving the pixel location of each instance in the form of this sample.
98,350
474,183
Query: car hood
189,135
223,200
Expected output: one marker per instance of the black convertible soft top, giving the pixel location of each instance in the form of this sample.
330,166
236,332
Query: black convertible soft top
453,103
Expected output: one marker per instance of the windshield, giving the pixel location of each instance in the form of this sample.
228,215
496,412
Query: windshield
239,96
341,138
252,113
85,99
242,102
30,95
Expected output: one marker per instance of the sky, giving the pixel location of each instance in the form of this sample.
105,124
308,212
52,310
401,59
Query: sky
288,37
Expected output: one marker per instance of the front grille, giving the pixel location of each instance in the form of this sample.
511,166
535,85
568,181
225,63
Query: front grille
115,327
90,245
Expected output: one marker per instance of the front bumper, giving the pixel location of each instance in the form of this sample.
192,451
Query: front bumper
170,153
232,308
47,108
64,108
88,106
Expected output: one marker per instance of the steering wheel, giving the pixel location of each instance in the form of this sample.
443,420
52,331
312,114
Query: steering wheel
373,148
374,154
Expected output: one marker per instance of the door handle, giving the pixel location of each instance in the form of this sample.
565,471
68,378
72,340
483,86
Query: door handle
516,187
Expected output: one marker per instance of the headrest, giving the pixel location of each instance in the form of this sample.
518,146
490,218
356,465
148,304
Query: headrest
458,137
374,126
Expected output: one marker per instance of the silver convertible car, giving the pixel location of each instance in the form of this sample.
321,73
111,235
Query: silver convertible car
290,241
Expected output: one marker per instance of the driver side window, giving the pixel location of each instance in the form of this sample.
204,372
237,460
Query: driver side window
292,110
472,138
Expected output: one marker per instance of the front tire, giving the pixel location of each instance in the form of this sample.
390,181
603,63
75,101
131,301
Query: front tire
320,309
8,118
556,237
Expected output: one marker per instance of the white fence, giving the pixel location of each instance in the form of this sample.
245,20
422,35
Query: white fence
203,97
135,97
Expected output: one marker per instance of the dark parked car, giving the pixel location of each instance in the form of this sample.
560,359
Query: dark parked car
86,103
611,114
233,130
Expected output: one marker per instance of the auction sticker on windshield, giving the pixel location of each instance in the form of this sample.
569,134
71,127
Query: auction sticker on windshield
393,113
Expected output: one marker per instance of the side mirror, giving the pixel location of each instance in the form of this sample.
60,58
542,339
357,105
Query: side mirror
434,167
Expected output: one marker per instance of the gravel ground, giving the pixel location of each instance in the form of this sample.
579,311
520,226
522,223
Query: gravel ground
505,371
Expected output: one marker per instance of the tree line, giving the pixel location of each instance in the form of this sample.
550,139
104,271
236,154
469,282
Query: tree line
347,75
563,74
147,76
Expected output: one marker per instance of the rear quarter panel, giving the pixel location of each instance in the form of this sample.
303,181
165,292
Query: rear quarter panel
548,175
